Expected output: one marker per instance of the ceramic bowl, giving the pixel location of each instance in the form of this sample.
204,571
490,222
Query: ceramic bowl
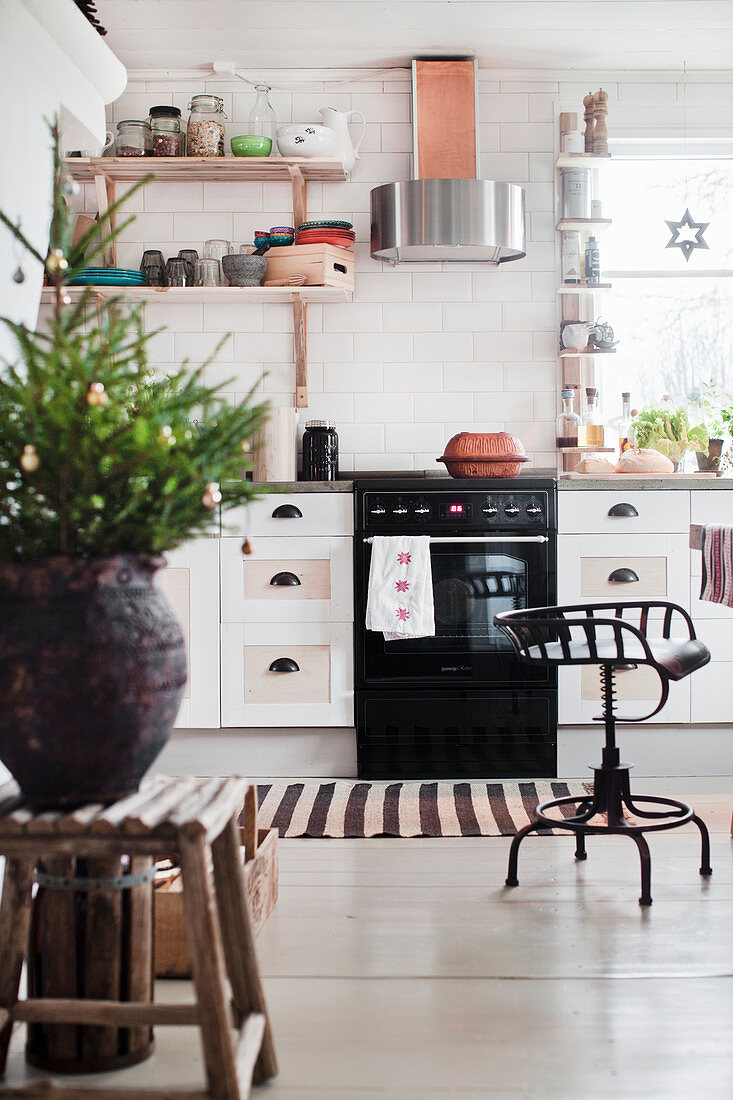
243,270
309,140
249,145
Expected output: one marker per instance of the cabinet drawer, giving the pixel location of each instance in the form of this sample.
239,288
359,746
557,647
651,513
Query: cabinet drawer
318,693
582,511
713,506
296,514
638,692
287,580
585,562
596,573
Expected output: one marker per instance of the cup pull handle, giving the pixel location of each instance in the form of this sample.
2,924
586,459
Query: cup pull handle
285,579
626,511
623,575
284,664
287,511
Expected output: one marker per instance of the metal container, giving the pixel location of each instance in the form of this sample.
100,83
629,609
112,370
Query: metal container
451,220
320,451
576,192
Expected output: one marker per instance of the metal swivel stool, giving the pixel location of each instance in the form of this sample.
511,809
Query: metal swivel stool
615,636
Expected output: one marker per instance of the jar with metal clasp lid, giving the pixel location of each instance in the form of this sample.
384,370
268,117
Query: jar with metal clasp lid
205,136
133,138
320,451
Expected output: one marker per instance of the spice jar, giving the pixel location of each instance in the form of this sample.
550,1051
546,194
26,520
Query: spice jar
166,137
320,451
205,137
133,138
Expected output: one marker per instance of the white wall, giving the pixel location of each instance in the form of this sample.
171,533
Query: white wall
423,351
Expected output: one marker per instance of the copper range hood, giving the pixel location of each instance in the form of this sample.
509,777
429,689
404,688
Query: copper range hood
447,213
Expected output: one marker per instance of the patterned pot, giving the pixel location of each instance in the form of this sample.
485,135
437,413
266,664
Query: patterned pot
92,669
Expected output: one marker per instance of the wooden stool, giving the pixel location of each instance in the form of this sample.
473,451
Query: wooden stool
190,820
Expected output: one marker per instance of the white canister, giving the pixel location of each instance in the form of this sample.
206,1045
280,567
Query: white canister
573,141
572,258
576,193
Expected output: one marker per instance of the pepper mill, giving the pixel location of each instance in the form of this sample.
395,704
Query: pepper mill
589,118
600,131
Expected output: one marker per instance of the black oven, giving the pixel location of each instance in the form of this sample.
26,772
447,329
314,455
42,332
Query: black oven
458,704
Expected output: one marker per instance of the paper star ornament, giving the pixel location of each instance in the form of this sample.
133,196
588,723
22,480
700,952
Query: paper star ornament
687,246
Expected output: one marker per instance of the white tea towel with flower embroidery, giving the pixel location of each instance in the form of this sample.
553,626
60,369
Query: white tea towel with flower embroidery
400,597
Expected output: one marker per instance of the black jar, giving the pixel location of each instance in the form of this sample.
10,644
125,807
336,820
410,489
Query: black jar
320,451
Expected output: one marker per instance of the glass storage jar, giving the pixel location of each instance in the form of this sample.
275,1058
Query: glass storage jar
167,140
320,451
133,138
205,137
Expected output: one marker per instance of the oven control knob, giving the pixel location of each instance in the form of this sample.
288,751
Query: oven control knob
421,509
489,510
511,509
534,510
377,510
399,510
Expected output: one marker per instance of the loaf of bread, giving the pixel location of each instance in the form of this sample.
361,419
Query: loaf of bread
594,465
643,461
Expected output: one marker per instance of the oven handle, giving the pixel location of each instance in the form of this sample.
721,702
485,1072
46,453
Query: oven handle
485,538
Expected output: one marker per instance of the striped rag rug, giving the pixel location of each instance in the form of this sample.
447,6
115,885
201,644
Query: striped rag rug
348,808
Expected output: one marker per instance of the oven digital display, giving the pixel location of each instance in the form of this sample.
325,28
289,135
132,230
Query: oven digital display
456,511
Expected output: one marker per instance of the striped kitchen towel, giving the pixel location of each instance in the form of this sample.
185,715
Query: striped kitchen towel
717,565
350,808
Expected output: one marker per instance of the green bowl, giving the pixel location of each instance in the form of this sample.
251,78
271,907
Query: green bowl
251,146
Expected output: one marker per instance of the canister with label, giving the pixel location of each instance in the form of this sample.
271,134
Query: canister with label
576,193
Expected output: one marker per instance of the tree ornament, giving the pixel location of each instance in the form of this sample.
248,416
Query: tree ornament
19,275
18,252
687,245
96,394
29,460
212,495
246,547
69,187
65,299
246,446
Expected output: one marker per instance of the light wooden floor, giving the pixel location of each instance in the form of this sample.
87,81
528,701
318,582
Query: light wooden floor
404,968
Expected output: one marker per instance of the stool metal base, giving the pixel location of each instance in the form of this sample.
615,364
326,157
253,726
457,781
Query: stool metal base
612,798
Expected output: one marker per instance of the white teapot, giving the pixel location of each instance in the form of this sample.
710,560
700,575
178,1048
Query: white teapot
338,121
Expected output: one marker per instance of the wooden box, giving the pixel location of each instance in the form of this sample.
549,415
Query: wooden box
171,945
321,264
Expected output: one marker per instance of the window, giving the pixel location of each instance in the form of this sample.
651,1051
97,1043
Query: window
674,319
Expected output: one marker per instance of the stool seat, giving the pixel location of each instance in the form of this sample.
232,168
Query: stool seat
677,656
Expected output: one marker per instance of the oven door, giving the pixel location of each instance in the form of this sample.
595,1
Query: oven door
474,577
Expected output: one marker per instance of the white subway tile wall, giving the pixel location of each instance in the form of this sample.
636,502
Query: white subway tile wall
424,350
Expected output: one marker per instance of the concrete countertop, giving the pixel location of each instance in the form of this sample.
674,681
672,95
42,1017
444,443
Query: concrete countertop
563,484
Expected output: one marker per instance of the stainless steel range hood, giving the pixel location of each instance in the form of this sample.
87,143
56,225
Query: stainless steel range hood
446,213
455,221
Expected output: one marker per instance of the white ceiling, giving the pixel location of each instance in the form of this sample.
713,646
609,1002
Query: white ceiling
504,34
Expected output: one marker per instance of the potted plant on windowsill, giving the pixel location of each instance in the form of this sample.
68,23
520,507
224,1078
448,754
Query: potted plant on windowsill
716,418
103,467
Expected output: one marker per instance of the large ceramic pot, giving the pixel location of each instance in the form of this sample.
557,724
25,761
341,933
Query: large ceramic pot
92,669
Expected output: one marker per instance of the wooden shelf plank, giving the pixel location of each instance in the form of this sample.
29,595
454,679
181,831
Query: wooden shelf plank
571,353
209,169
583,288
595,225
581,160
587,450
228,294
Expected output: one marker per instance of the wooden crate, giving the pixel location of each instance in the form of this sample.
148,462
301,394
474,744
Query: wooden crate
321,264
171,945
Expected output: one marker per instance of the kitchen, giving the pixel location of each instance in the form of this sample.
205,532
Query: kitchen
416,354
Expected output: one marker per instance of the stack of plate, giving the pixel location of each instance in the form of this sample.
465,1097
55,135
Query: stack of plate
326,232
109,276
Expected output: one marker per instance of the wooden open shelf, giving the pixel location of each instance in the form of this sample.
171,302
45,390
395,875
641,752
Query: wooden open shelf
583,288
207,169
581,160
587,450
584,225
206,294
571,353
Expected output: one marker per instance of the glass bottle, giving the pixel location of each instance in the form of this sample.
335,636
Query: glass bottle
591,426
133,138
625,428
205,137
568,422
262,121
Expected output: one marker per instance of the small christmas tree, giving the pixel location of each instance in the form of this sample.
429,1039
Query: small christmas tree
97,456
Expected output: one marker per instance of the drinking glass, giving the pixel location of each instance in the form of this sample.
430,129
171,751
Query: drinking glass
208,273
178,272
215,249
152,266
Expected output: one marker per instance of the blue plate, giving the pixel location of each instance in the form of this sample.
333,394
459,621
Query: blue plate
106,280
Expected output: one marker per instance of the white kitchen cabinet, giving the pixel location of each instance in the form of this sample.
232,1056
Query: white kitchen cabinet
287,674
711,694
294,514
287,580
658,511
191,585
586,562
